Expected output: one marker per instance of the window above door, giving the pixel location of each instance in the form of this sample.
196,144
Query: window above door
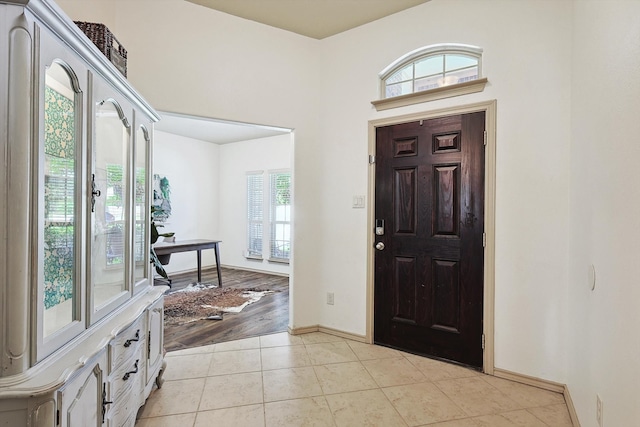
429,73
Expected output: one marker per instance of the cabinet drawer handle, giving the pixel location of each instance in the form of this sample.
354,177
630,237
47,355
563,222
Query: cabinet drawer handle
105,402
135,370
127,343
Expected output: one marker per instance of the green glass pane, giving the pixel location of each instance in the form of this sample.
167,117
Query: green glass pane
455,62
428,66
59,228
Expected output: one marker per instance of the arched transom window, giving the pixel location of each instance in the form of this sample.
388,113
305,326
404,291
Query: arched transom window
431,67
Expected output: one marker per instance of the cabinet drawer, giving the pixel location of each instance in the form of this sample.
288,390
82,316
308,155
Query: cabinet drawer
129,375
126,343
124,410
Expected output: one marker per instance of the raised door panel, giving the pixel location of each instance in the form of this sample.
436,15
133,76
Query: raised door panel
81,399
155,345
16,52
445,301
405,203
405,289
42,412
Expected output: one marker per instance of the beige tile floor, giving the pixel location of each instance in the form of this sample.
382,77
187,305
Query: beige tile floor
322,380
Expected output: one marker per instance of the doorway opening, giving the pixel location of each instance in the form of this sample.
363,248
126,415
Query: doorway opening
210,164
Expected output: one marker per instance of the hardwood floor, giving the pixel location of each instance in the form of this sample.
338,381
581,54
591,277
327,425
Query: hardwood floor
267,316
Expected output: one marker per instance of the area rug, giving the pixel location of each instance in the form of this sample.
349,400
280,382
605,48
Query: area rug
201,302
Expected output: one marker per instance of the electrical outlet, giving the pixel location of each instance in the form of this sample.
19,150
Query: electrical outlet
599,410
330,298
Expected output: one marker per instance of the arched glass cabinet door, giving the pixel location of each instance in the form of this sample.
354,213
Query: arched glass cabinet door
109,207
141,210
60,294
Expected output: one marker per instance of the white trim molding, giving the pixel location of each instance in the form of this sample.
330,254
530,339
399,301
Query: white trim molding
450,91
446,90
330,331
543,384
433,49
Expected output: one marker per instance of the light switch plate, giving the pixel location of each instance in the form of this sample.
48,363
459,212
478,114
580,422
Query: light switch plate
358,202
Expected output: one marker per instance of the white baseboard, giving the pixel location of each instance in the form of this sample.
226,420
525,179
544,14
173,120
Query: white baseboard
232,267
254,270
303,330
327,330
526,379
572,409
543,384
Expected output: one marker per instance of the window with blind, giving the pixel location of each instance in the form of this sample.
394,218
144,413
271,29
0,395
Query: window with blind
274,197
114,215
255,215
59,231
280,219
60,185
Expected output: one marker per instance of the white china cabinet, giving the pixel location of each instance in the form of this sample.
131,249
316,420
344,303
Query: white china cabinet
81,330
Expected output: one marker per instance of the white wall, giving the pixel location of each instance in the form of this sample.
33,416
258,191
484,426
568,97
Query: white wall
211,64
207,63
603,351
528,74
99,11
563,76
193,60
208,193
236,160
192,168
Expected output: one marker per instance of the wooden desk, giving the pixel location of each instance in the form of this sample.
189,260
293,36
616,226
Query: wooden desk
164,248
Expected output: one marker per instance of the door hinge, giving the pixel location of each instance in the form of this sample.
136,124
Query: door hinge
149,346
484,240
485,138
483,341
372,159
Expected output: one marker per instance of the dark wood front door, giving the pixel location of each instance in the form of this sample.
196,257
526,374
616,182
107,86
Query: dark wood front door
429,260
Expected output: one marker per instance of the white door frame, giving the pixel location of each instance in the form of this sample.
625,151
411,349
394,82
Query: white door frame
489,107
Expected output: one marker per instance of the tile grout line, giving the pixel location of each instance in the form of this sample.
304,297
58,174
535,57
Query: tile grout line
483,379
264,404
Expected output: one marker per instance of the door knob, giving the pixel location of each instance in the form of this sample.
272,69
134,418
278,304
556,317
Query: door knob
379,246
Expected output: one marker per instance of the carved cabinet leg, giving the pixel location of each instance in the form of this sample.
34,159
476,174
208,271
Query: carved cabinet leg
159,379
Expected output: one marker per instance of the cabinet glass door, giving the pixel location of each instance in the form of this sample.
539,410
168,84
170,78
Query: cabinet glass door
61,210
109,242
141,208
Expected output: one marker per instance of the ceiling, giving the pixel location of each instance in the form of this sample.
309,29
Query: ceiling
312,18
212,130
